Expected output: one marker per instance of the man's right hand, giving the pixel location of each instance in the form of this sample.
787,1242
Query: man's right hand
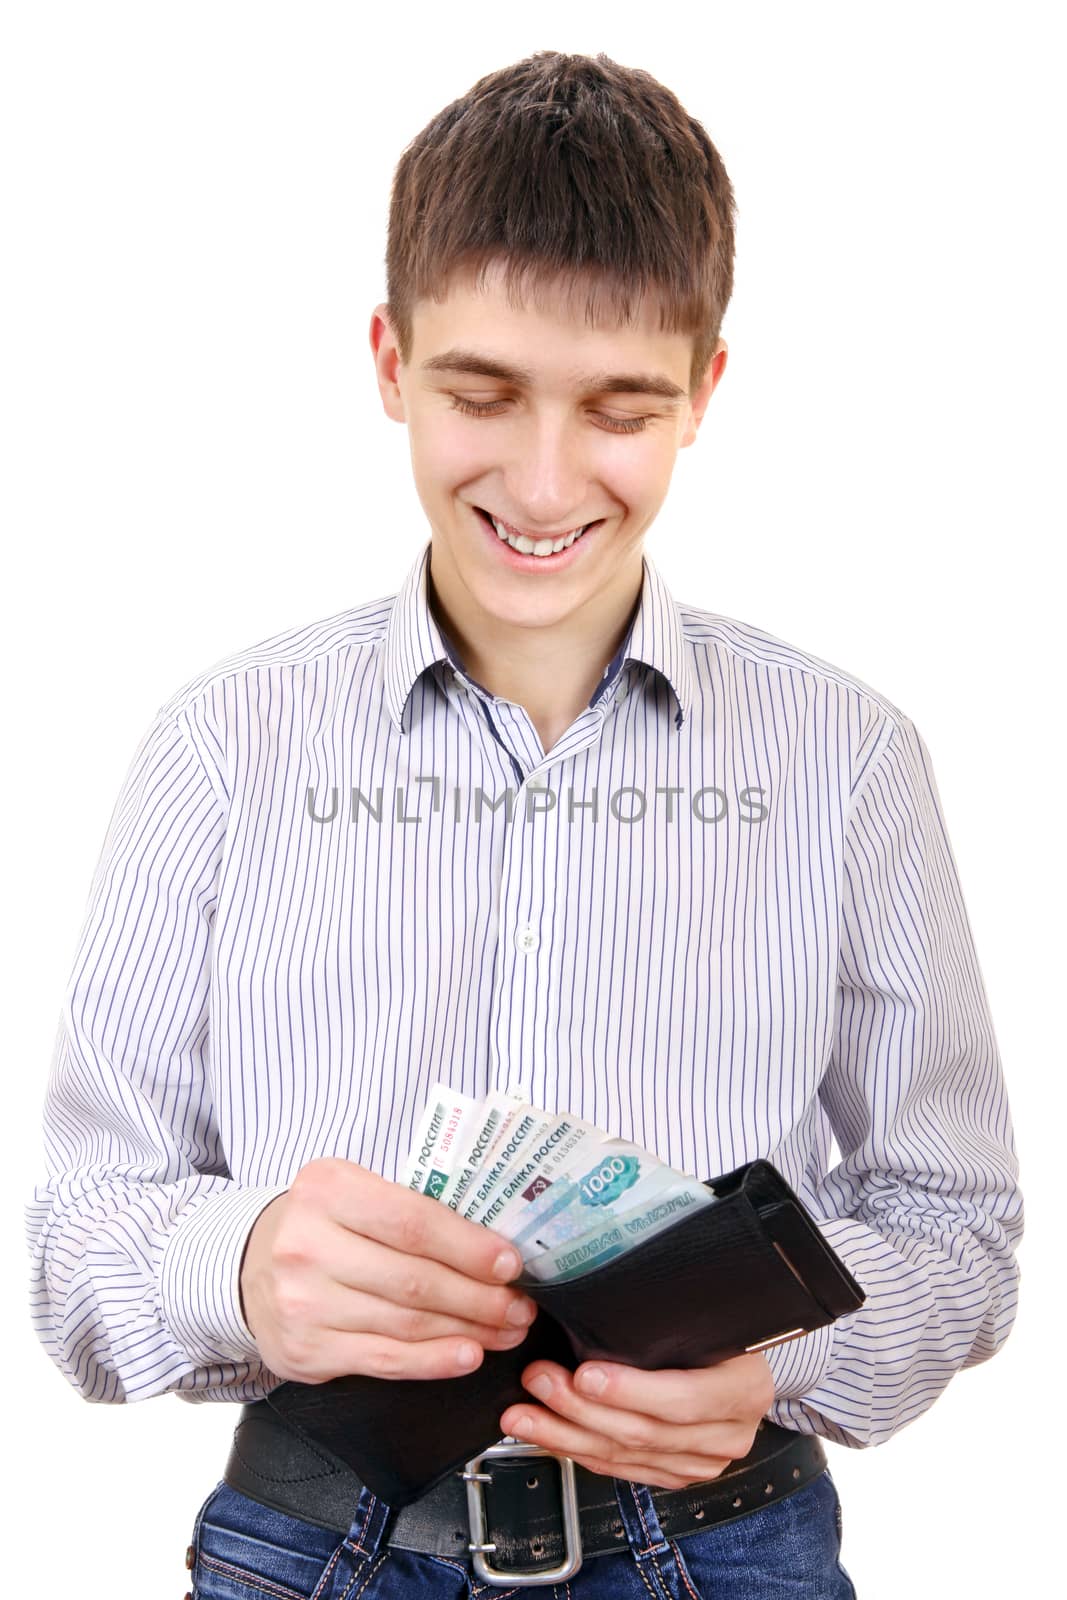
349,1272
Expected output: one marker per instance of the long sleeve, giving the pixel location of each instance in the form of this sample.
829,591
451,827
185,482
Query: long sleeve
924,1207
136,1236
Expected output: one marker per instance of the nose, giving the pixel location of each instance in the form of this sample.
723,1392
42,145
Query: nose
546,475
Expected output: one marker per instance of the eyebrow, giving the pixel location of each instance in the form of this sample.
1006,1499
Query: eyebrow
472,361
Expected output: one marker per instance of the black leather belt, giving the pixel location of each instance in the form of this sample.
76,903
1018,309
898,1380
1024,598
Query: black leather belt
528,1517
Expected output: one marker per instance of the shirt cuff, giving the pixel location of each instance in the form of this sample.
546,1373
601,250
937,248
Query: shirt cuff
799,1365
200,1275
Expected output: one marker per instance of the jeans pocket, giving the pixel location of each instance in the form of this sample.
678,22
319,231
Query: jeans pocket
200,1514
246,1551
839,1529
838,1520
788,1546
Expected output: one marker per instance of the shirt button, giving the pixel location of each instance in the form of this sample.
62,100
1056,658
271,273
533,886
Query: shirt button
526,938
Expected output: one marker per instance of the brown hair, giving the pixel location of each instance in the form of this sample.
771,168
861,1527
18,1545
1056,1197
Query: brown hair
567,166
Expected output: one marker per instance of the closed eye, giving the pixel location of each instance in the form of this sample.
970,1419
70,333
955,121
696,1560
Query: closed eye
491,408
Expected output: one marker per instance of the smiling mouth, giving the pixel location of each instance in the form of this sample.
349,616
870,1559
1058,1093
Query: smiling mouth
526,546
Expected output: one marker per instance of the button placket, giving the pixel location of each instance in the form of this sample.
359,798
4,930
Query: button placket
521,1000
507,1067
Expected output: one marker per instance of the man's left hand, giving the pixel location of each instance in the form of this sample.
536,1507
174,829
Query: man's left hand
668,1428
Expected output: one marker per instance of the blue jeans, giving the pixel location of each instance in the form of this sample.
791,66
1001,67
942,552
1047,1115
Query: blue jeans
789,1548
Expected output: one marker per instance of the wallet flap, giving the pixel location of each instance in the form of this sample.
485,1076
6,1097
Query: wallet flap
801,1243
709,1286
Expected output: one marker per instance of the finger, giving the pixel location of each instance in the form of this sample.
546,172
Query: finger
637,1432
418,1281
634,1472
357,1311
381,1357
690,1469
732,1390
660,1480
535,1425
414,1224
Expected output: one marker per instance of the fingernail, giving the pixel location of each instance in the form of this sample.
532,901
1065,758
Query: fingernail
541,1387
520,1312
593,1381
506,1265
467,1356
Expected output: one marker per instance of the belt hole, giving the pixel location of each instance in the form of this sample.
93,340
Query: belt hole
796,1472
617,1529
458,1536
768,1488
699,1514
538,1549
531,1483
737,1499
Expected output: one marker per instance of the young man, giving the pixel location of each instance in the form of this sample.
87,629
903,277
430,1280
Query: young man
527,823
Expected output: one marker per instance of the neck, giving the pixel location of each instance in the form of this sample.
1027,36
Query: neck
552,670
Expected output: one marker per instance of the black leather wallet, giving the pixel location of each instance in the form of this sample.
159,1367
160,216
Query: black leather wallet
750,1271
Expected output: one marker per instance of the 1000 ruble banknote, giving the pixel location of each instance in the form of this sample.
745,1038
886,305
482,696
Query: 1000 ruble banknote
566,1193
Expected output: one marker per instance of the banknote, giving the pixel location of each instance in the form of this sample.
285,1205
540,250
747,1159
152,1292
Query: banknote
612,1176
525,1159
490,1123
433,1154
508,1150
566,1193
586,1147
549,1156
615,1236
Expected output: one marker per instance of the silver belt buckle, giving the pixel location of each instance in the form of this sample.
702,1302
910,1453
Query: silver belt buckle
572,1533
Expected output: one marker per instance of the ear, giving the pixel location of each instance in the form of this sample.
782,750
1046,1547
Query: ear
386,362
702,398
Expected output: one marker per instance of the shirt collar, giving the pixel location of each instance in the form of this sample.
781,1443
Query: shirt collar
413,642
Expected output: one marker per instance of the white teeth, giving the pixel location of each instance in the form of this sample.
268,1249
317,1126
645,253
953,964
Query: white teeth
536,547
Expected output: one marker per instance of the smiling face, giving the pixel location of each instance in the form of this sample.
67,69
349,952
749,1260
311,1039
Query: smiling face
550,426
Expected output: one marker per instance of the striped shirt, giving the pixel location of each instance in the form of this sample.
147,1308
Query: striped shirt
720,917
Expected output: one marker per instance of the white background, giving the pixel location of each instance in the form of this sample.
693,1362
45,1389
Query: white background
194,203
